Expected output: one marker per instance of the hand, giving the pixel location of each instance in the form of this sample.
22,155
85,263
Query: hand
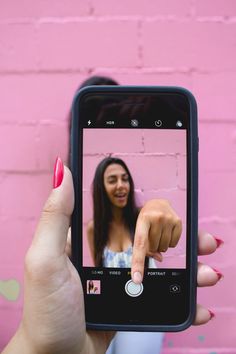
207,244
158,227
53,315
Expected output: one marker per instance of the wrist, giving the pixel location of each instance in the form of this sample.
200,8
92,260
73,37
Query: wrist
19,343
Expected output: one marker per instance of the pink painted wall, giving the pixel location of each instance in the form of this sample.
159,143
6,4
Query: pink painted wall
46,50
157,163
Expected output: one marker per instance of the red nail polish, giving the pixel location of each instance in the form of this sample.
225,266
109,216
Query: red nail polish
219,241
211,314
219,274
58,173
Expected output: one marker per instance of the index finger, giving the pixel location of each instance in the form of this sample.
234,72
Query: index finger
139,250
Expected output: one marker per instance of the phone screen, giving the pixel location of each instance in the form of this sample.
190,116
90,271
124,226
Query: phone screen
130,147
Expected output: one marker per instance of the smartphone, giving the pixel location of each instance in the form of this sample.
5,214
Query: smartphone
131,144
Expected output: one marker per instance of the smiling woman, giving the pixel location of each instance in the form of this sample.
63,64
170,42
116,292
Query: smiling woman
110,233
115,216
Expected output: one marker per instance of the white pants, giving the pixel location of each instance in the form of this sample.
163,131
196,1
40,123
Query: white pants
136,343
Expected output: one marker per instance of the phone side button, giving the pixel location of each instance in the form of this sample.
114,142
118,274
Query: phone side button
133,289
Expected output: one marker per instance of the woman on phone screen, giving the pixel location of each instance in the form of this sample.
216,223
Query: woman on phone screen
111,232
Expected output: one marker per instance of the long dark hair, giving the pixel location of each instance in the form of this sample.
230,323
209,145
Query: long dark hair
102,213
90,286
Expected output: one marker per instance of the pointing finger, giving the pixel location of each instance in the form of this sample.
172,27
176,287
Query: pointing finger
139,249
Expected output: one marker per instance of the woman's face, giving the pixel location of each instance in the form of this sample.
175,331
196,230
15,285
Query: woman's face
117,186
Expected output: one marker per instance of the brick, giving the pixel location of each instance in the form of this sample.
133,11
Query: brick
53,141
18,47
152,172
220,8
148,77
217,151
217,194
18,148
209,55
177,42
34,98
223,258
215,95
16,237
189,45
25,9
96,42
165,141
24,195
141,8
31,148
108,141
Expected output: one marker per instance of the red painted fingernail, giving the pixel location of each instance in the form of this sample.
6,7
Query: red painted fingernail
58,173
211,314
219,274
219,242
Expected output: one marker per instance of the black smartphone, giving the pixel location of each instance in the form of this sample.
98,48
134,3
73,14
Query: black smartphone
130,145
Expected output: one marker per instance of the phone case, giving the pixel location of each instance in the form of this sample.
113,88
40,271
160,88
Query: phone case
193,143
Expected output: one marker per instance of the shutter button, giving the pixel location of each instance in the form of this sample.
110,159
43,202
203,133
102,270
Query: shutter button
133,289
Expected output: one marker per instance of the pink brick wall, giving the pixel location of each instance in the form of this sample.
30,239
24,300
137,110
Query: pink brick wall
47,49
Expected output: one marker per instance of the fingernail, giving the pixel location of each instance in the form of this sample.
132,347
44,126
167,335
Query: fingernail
137,277
219,242
58,173
211,314
219,274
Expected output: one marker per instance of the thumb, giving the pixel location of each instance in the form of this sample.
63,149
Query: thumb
51,234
